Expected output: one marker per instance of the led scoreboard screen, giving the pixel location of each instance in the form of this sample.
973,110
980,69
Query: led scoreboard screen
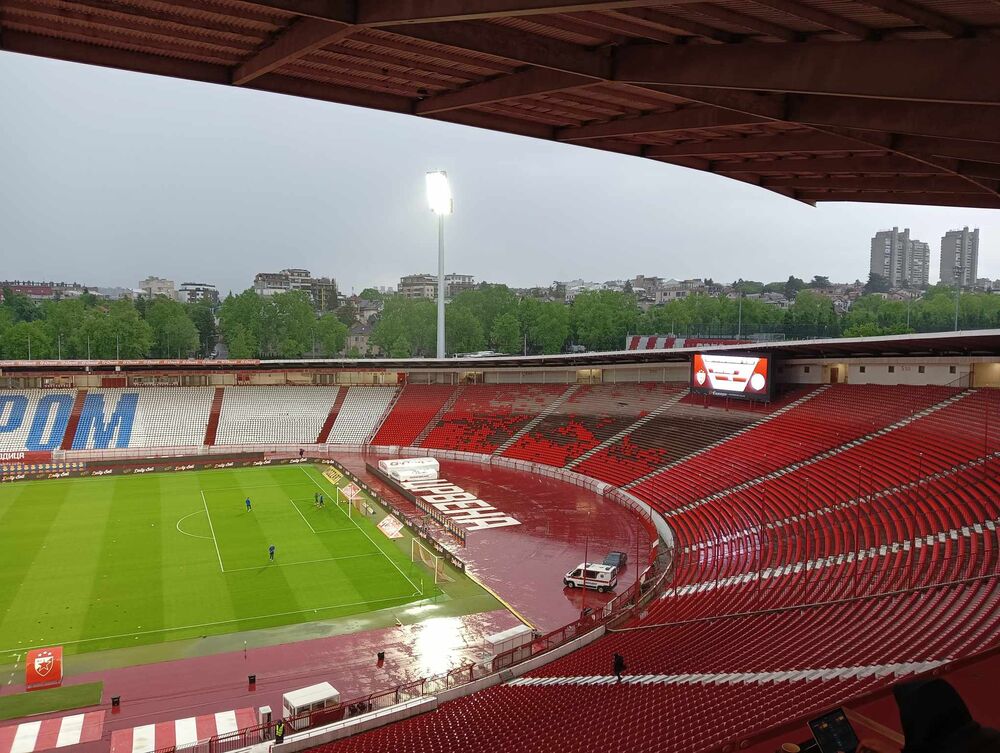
742,376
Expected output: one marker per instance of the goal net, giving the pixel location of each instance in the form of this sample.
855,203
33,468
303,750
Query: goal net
434,562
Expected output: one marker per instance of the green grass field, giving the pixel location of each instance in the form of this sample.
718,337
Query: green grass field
103,563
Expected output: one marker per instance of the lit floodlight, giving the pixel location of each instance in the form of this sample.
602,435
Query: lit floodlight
439,192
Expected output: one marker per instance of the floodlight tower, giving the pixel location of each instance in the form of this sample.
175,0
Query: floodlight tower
441,203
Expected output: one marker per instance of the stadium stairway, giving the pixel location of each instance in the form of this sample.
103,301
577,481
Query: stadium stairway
547,411
331,417
212,428
74,420
437,417
670,401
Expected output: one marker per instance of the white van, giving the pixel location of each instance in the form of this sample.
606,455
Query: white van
591,575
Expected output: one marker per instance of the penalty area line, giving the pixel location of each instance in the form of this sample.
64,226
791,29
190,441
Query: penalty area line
363,531
303,562
304,520
212,529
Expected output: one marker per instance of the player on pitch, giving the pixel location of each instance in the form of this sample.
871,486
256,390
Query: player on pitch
248,504
270,552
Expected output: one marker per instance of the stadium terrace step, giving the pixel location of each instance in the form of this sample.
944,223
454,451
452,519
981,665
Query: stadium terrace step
670,401
668,513
331,417
552,407
768,417
212,428
864,500
755,678
441,412
844,558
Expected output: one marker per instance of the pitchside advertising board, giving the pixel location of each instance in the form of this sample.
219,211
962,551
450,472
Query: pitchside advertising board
740,376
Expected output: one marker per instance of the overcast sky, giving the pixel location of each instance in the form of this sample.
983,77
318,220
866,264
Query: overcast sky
108,176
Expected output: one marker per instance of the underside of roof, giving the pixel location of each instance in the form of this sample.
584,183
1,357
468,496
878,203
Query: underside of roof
894,101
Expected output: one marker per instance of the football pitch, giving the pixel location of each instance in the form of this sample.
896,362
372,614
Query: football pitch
99,563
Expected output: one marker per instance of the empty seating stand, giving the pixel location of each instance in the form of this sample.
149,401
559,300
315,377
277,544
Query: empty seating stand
593,414
273,415
413,410
360,414
486,416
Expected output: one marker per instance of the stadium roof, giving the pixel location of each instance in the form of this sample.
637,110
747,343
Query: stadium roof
977,343
820,100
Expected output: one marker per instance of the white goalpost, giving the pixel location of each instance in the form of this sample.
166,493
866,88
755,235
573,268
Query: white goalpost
434,562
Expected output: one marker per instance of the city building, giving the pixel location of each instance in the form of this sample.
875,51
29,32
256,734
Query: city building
195,292
359,340
456,284
322,290
960,257
425,285
901,260
418,286
152,287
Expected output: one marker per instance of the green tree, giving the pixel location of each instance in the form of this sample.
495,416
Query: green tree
505,336
463,331
876,284
203,317
27,340
348,313
19,306
295,324
330,335
811,315
792,286
407,327
62,319
748,287
246,323
602,319
819,281
174,334
370,294
133,337
546,325
487,303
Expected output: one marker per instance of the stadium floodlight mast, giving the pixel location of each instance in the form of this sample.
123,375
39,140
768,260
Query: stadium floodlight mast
441,203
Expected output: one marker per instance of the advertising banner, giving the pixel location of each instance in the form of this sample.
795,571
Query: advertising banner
391,527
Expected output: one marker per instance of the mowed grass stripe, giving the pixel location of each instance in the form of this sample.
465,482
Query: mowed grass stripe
131,551
120,561
64,530
25,519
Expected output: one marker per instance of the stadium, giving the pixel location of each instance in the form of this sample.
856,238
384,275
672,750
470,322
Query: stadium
692,546
789,554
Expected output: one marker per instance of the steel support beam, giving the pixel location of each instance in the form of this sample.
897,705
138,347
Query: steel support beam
830,20
891,165
981,201
921,16
916,184
298,40
510,44
524,83
959,71
685,119
778,143
396,12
